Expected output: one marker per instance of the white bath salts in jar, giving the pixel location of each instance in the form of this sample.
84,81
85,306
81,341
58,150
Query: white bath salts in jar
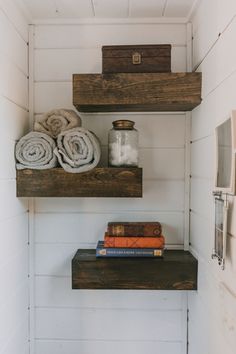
123,144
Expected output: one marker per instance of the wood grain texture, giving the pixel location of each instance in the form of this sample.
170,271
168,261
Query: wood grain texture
136,92
99,182
176,271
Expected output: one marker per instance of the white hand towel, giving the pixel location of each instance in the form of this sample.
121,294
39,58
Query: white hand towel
57,121
78,150
35,151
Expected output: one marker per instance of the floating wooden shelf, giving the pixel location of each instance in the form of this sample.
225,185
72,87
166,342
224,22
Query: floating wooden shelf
136,92
176,271
99,182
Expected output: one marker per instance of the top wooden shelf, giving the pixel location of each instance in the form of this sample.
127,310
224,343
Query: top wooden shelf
136,92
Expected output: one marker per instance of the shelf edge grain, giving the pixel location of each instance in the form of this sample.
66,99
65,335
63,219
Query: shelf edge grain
176,271
99,182
136,92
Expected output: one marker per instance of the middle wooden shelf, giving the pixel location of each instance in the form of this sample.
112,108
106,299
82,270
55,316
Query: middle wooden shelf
99,182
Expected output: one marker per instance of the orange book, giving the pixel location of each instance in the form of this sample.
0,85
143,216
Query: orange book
134,242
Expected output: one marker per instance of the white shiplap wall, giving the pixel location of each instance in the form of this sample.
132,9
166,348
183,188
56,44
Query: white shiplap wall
86,322
212,326
14,293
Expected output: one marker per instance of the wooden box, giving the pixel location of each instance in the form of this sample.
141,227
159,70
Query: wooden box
136,59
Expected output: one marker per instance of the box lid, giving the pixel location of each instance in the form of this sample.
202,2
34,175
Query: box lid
147,50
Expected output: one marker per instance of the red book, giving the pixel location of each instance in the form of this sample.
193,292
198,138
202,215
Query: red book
134,228
134,242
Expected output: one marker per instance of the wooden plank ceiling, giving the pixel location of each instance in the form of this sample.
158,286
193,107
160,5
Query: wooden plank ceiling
45,9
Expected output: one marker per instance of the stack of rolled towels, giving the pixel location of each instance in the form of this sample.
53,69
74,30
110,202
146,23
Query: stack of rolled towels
58,138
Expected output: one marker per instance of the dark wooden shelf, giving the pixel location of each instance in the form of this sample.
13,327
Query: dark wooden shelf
99,182
136,92
176,271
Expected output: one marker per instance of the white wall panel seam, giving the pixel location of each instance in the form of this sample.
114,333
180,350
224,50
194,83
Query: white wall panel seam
31,203
184,320
31,74
16,103
202,216
13,24
104,212
7,179
195,141
217,277
164,8
14,257
31,270
187,181
118,211
25,74
114,309
219,37
111,21
193,10
199,177
159,147
24,10
189,46
13,216
219,84
51,276
109,340
129,7
174,45
84,115
88,244
116,21
206,54
13,62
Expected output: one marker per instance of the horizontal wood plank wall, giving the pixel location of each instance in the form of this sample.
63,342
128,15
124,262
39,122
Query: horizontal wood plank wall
103,321
212,326
14,294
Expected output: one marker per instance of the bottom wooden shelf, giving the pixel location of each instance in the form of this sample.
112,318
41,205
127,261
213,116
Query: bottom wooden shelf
176,271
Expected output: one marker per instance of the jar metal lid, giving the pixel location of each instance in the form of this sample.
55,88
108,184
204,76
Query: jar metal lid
123,124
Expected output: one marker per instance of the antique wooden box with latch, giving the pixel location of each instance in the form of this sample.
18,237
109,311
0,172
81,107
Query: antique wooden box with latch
136,59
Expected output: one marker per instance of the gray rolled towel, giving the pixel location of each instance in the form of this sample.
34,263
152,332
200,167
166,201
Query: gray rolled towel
57,121
78,150
35,151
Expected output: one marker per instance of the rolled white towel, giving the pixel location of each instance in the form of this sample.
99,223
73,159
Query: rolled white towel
57,121
35,151
78,150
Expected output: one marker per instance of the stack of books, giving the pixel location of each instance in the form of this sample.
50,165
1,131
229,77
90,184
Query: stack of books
132,239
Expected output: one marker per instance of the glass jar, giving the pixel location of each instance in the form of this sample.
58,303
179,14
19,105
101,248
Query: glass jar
123,144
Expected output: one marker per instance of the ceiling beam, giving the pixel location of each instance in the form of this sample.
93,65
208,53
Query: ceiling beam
112,21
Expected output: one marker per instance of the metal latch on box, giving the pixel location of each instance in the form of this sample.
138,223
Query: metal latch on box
136,58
